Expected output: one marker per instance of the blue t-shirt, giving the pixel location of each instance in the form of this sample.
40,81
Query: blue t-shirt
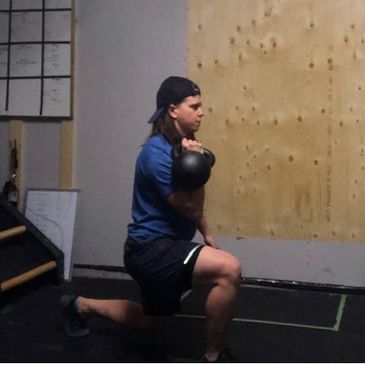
153,217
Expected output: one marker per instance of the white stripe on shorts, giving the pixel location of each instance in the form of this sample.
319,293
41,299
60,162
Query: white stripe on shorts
190,254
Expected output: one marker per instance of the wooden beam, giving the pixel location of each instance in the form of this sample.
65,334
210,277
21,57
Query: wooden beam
16,134
12,232
22,278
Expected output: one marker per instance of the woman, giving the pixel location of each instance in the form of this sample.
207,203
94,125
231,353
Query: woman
159,253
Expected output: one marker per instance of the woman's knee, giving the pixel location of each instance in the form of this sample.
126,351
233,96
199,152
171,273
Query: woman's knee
229,270
215,265
232,270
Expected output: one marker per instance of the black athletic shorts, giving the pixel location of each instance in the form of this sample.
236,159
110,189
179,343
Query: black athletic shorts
163,270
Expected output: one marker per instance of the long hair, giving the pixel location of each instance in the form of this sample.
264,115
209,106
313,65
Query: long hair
165,126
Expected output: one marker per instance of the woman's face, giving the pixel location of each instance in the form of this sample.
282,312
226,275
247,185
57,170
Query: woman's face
187,115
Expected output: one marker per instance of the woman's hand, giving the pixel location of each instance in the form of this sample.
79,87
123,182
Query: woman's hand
209,241
191,145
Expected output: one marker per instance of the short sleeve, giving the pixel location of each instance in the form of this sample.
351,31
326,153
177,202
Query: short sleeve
158,170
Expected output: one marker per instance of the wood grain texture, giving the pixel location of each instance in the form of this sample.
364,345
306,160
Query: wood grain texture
283,85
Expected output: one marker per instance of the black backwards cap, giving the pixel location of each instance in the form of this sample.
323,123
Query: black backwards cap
173,91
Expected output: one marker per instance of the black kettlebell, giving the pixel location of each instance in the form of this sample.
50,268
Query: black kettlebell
191,169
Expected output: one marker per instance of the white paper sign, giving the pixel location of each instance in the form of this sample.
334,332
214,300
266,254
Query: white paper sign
53,212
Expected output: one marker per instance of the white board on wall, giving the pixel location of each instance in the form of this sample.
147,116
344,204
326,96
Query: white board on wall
53,212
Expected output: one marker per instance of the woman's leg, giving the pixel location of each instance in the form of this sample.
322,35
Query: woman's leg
121,311
223,270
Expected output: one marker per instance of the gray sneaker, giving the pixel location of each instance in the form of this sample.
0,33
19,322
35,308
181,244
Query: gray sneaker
74,322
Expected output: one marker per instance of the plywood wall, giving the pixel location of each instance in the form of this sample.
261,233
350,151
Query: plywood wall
283,90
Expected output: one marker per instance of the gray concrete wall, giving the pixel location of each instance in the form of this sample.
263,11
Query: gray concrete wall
124,49
41,155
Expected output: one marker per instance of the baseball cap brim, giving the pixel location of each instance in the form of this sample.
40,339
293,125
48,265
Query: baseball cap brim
156,115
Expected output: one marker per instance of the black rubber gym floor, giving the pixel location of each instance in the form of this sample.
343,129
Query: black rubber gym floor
270,325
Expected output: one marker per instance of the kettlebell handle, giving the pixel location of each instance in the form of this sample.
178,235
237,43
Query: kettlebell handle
177,150
210,156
